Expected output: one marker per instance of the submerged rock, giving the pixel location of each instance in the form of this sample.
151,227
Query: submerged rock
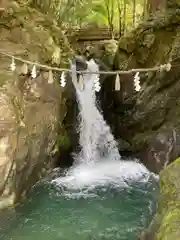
31,110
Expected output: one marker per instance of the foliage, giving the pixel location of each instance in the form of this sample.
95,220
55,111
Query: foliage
118,15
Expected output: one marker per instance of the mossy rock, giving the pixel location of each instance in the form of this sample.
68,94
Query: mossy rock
170,225
36,34
165,225
170,184
169,204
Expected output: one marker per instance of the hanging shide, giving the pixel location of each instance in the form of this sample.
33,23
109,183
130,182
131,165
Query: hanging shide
33,73
50,77
24,69
137,82
13,65
63,80
117,83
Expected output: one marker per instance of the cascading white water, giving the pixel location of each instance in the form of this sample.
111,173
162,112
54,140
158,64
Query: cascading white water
96,140
99,162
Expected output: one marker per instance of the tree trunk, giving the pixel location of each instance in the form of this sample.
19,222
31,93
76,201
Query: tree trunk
120,16
145,9
124,17
110,12
134,13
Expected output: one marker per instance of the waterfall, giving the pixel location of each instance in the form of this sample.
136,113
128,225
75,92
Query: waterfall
96,140
98,164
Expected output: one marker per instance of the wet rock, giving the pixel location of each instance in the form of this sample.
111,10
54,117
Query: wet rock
31,110
125,148
162,149
147,118
103,52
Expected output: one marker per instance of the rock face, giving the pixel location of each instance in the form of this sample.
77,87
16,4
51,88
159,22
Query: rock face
31,110
149,119
167,219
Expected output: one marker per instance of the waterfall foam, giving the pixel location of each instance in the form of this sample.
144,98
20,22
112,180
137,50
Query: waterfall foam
99,162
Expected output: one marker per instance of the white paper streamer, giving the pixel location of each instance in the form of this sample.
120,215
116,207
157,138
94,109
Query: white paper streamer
25,68
137,82
13,65
117,83
63,80
33,73
50,77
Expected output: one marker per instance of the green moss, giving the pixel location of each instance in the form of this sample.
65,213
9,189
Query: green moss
169,229
63,140
170,181
169,203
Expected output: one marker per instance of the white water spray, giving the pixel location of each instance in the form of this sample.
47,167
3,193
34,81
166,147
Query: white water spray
99,162
96,140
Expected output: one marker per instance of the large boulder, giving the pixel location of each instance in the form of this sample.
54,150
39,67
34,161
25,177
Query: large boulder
149,119
31,110
166,222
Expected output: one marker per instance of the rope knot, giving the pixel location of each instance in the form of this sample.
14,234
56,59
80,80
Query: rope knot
165,67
